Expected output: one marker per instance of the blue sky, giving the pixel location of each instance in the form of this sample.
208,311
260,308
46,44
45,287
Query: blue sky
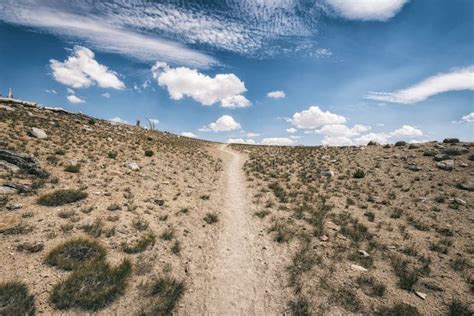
332,72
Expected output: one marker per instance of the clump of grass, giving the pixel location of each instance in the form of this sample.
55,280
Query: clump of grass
396,213
407,276
112,154
356,231
166,293
30,247
20,229
140,224
67,213
282,232
94,229
148,152
299,307
61,197
458,308
371,286
262,213
176,248
211,218
347,299
73,168
92,286
168,234
74,253
358,174
279,191
139,245
15,299
400,309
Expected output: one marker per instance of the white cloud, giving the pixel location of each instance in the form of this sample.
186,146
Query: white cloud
337,141
278,141
183,81
106,95
468,117
378,10
381,138
455,80
81,70
154,121
295,137
291,130
406,131
118,120
240,141
224,123
252,135
189,134
51,91
74,99
276,94
341,135
314,118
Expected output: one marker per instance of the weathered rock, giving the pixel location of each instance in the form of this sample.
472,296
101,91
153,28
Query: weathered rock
420,295
446,165
414,146
372,143
363,253
430,153
471,157
38,133
6,107
451,140
400,143
324,238
133,166
455,151
414,167
441,157
9,167
23,161
459,201
5,190
469,186
327,173
355,267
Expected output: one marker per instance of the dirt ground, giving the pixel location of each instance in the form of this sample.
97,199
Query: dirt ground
248,230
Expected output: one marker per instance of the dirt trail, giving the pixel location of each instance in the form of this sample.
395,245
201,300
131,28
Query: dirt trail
240,283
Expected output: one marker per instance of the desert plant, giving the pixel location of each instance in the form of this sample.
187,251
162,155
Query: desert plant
61,197
211,218
140,244
148,152
358,174
75,253
15,299
166,293
73,168
400,309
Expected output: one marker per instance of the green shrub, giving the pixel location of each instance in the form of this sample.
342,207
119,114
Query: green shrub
75,253
458,308
92,286
15,299
73,168
211,218
166,292
112,154
148,152
401,309
61,197
359,174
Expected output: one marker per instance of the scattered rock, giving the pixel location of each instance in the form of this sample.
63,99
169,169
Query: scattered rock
133,166
9,167
414,167
5,190
420,295
451,140
372,143
363,253
459,201
23,161
469,186
355,267
471,157
324,238
6,107
441,157
400,144
30,247
446,165
456,151
38,133
414,146
327,173
430,153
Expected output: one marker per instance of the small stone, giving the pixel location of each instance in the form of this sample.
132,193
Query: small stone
327,173
363,253
355,267
4,190
420,295
38,133
469,186
10,167
430,153
447,165
441,157
133,166
324,238
459,201
414,167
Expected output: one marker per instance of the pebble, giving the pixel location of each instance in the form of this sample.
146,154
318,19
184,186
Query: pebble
355,267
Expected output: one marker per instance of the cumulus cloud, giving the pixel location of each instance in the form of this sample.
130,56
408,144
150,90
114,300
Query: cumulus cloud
377,10
314,118
118,120
407,131
278,141
74,99
225,123
183,81
276,94
291,130
240,141
189,134
251,134
455,80
81,70
468,117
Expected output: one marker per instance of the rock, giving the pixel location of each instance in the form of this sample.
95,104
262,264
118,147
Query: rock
363,253
469,186
9,167
414,167
327,173
459,201
324,238
133,166
441,157
414,146
451,140
355,267
430,153
38,133
456,151
9,222
23,161
463,165
471,157
4,190
372,143
400,144
6,107
447,165
420,295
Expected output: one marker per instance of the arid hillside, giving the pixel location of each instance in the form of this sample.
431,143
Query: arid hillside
384,230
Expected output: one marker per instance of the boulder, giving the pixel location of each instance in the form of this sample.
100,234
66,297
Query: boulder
9,167
455,151
446,165
451,140
38,133
414,146
430,153
23,161
441,157
5,190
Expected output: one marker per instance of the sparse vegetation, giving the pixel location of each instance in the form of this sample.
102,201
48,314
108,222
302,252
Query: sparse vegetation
165,293
211,218
74,253
61,197
15,299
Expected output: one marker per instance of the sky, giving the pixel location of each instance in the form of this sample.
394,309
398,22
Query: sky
288,72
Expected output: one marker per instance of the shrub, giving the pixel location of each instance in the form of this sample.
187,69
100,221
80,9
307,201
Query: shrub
15,299
139,245
73,168
211,218
30,247
92,287
300,307
358,174
458,308
61,197
401,309
148,152
283,233
112,154
407,276
371,286
262,213
75,253
166,292
94,229
168,234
